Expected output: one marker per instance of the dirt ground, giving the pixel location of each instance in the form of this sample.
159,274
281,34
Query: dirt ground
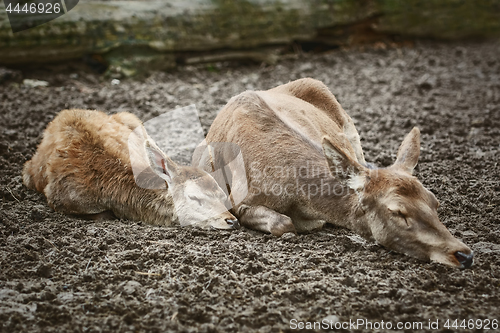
64,274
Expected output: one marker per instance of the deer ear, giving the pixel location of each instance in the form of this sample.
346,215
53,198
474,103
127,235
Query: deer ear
341,162
409,151
161,164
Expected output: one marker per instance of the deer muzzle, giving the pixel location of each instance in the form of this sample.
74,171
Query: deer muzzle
234,223
464,259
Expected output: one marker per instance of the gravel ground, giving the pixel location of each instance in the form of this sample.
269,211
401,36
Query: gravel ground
64,274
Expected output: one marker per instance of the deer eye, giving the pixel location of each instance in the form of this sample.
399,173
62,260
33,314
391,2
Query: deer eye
403,216
398,214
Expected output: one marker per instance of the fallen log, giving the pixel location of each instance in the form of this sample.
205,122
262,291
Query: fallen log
151,34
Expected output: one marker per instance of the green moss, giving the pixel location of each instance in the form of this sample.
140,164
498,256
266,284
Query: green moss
130,61
444,19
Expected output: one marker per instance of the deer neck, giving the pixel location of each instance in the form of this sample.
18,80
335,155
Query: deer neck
155,206
335,203
152,206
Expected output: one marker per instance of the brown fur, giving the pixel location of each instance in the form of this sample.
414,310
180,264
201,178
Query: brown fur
286,132
83,167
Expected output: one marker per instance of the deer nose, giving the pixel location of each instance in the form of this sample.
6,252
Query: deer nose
465,259
233,223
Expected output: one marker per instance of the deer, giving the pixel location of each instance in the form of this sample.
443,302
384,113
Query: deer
305,167
85,163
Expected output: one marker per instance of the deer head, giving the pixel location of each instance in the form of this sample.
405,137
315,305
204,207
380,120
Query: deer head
197,198
393,207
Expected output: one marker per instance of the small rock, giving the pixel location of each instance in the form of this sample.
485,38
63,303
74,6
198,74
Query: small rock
130,317
47,296
486,247
382,284
432,61
31,244
428,106
331,320
469,233
131,287
427,82
401,293
88,277
44,270
399,63
92,231
130,255
357,239
65,296
288,235
35,83
477,122
306,67
474,133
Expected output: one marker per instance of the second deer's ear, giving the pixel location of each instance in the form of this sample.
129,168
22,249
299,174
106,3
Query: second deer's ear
161,164
340,159
409,151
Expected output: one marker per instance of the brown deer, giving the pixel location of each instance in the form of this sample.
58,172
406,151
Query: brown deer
83,166
305,167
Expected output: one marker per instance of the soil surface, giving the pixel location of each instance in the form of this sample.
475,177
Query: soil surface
64,274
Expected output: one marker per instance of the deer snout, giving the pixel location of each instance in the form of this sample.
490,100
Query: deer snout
464,259
234,223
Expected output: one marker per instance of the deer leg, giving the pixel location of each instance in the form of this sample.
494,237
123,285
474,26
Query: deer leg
264,219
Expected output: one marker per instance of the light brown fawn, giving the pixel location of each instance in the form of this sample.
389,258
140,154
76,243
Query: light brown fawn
83,167
305,167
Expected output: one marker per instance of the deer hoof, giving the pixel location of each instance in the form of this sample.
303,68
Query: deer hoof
282,226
